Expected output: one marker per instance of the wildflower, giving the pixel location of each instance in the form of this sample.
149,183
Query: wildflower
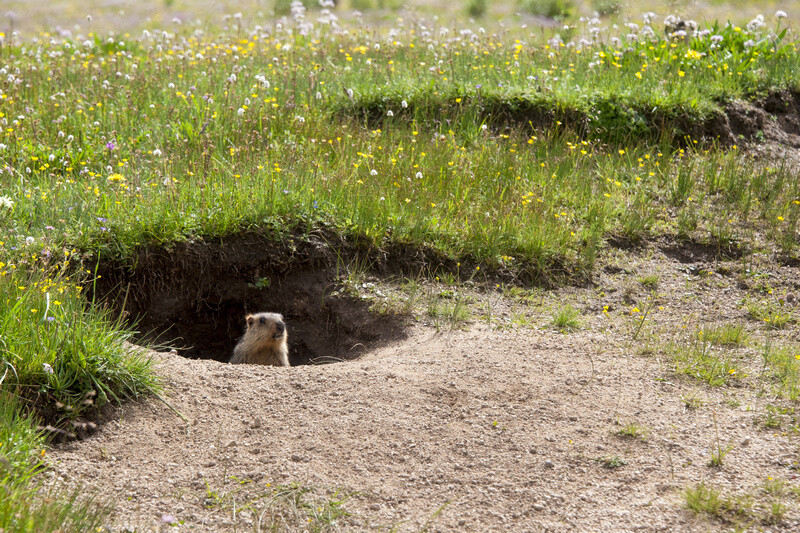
157,152
29,240
390,113
373,172
240,112
756,23
779,14
419,175
6,202
350,93
110,146
404,104
47,368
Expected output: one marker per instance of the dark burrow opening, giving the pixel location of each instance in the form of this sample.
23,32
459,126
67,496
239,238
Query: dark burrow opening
195,296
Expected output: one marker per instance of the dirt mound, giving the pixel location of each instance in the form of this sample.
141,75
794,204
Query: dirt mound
774,118
509,425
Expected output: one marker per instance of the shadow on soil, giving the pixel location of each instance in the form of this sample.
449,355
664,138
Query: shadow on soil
195,296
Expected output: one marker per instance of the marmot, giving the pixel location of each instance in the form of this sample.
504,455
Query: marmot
264,342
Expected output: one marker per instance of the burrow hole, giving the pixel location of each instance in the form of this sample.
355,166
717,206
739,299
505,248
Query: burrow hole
195,297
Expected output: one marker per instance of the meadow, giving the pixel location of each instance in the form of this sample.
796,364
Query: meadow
517,150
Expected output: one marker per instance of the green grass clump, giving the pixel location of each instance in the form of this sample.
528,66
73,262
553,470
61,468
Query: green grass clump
724,335
566,318
26,505
59,358
782,366
702,358
632,430
58,352
556,9
703,499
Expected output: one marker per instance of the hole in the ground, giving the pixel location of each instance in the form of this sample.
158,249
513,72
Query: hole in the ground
196,295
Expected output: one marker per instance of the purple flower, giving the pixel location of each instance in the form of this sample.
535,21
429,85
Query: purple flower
110,145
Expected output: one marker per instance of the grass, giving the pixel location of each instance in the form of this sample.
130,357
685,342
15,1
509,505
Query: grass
517,153
632,430
761,505
611,462
289,507
26,504
724,335
566,318
703,360
782,366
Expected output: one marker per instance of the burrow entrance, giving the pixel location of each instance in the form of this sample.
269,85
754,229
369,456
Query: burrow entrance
194,297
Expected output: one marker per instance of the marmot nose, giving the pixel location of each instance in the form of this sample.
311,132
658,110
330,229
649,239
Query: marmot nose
280,327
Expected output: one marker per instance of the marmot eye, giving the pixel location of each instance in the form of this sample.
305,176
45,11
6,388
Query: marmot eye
263,320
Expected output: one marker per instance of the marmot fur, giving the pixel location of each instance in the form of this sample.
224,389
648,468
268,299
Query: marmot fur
264,342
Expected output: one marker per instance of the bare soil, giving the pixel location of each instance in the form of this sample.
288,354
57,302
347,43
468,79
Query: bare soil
503,423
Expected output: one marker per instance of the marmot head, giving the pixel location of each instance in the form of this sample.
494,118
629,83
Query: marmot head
266,324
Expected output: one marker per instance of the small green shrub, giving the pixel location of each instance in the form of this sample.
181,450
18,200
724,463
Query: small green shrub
477,8
555,9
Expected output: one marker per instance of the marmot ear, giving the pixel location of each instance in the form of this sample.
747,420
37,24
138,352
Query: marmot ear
249,319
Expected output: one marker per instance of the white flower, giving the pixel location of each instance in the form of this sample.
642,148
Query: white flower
373,172
404,104
240,112
779,14
419,175
157,152
47,368
390,113
756,23
318,96
350,93
484,127
6,202
2,146
29,240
